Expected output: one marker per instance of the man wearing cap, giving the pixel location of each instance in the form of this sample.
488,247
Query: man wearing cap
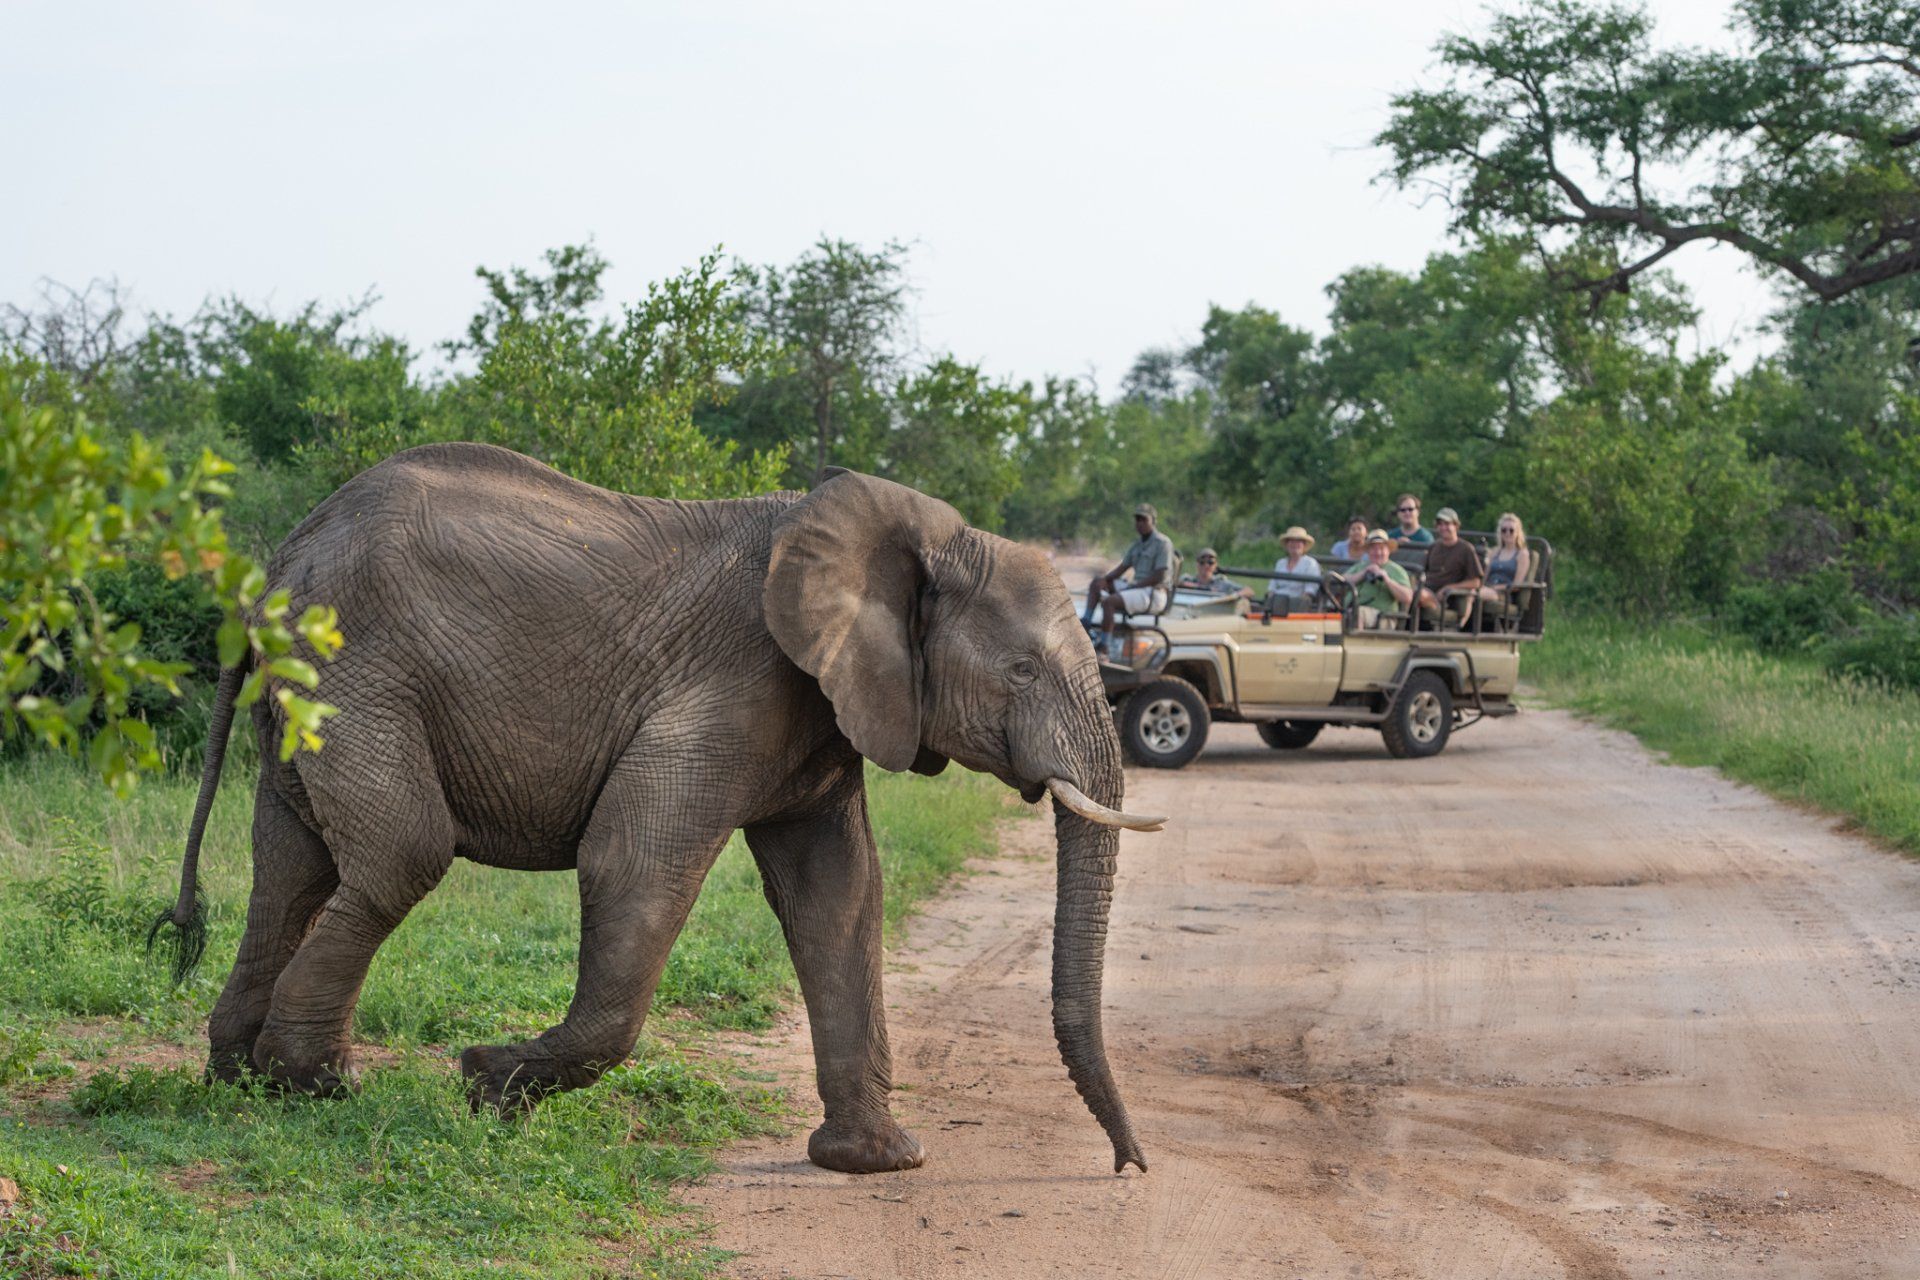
1380,585
1298,542
1452,565
1150,559
1210,581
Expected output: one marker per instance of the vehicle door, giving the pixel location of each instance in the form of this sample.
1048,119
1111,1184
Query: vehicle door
1290,659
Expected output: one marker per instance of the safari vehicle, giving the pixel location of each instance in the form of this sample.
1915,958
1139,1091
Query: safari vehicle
1293,665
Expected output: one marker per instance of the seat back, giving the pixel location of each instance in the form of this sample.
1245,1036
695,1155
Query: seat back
1533,604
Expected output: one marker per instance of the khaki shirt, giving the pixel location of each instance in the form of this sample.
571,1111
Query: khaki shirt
1155,551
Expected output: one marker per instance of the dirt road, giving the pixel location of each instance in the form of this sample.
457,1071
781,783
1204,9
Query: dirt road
1540,1007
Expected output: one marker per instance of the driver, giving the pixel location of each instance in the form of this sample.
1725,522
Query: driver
1149,560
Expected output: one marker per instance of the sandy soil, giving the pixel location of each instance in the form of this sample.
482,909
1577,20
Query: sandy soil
1540,1007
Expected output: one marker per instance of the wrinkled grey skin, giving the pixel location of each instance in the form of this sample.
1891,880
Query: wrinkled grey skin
546,676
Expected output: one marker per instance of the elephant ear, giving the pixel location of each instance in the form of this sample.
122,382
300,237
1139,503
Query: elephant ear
843,599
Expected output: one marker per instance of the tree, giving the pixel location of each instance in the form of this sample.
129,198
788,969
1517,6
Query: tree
1065,431
73,504
834,318
1565,123
76,333
563,295
953,435
1271,438
611,403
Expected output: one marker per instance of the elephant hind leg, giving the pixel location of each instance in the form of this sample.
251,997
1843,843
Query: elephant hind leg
822,875
653,837
391,848
293,876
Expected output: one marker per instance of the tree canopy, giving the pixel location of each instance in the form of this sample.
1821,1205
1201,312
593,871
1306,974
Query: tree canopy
1566,122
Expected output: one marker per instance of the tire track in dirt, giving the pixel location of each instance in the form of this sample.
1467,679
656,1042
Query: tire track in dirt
1540,1007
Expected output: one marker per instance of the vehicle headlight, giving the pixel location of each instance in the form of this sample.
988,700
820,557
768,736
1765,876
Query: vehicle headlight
1142,647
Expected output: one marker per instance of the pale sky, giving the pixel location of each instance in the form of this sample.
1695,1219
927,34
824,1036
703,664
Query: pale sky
1079,181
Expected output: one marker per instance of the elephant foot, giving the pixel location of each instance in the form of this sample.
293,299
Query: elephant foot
501,1077
881,1147
230,1064
322,1075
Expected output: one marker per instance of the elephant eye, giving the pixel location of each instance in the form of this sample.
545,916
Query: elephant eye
1023,671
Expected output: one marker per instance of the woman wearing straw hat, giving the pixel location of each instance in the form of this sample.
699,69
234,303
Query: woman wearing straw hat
1298,542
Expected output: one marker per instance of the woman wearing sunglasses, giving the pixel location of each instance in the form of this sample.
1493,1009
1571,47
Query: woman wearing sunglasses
1509,562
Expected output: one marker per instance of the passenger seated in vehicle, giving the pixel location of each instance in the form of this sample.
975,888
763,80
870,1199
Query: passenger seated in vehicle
1150,560
1354,546
1507,563
1452,565
1380,585
1407,507
1210,580
1298,542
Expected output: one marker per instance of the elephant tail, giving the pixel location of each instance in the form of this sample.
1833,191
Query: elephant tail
185,922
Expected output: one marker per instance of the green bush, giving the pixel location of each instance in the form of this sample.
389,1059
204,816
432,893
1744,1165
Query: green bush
1885,650
1798,615
21,1057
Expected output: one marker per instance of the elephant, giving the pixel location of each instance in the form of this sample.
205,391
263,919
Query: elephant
542,675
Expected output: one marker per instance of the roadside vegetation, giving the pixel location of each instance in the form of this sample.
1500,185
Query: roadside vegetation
126,1164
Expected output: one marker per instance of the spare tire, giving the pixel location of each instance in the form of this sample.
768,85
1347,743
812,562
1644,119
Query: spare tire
1289,735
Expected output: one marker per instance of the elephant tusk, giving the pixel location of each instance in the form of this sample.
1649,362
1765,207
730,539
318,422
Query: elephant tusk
1073,798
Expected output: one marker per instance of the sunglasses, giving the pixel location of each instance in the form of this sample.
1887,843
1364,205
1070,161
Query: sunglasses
1208,560
1404,510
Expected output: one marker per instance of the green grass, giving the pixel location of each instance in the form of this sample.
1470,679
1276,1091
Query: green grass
1781,723
130,1166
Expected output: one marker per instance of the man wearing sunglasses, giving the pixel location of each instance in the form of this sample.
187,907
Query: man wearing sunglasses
1210,581
1407,507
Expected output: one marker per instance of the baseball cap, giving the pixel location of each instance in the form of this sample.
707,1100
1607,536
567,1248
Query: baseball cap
1146,509
1446,515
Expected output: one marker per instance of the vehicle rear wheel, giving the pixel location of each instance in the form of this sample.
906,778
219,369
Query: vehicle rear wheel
1289,735
1163,724
1421,718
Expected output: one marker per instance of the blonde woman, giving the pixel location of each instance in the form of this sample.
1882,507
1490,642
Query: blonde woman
1509,562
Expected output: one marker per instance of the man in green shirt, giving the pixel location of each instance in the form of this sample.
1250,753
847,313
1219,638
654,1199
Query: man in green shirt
1149,560
1380,585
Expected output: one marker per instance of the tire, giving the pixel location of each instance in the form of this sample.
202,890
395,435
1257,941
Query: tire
1289,735
1163,724
1421,718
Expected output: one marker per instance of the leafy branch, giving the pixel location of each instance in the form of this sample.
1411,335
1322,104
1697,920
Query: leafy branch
73,503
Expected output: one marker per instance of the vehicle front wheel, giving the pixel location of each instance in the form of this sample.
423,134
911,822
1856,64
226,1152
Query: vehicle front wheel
1289,735
1421,718
1163,724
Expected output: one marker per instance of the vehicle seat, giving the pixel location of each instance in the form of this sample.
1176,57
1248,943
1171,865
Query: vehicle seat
1525,601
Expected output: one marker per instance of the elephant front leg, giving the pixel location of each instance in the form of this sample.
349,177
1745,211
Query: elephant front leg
822,876
642,861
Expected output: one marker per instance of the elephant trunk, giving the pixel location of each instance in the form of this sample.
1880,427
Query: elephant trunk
1088,851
